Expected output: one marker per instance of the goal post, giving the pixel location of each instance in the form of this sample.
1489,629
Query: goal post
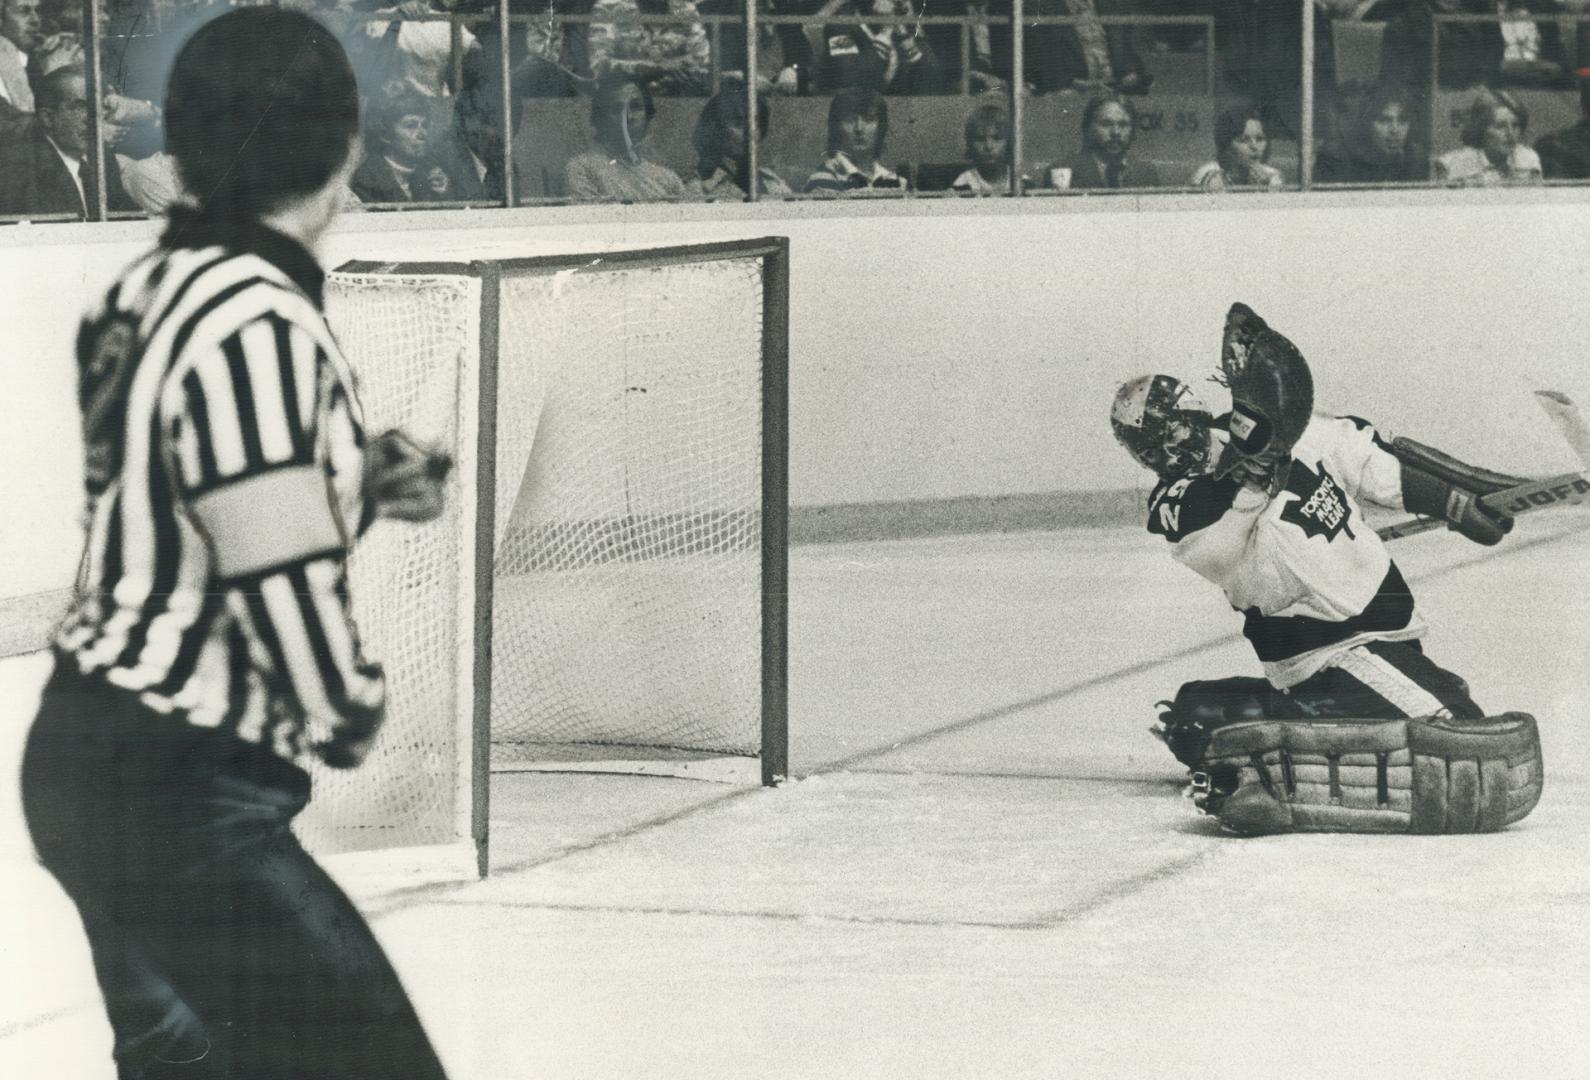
607,588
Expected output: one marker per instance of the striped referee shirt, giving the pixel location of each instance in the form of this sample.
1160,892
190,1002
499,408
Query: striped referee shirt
224,456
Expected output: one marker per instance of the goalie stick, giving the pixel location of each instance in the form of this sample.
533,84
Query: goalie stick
1569,420
1568,489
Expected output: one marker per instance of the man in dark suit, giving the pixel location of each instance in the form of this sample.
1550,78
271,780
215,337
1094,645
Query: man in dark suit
44,164
1109,124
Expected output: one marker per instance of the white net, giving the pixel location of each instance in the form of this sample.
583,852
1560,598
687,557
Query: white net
628,573
414,344
628,454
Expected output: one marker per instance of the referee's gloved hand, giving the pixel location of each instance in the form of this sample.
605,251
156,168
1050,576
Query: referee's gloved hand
348,743
404,480
346,751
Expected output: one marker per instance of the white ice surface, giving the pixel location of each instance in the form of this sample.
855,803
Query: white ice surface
986,869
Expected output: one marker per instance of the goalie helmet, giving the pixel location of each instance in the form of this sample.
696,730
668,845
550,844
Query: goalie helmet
1163,425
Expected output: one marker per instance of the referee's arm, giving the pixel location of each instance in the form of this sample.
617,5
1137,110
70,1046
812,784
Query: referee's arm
260,430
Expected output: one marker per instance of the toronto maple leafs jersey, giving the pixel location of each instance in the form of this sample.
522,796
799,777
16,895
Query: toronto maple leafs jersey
1310,576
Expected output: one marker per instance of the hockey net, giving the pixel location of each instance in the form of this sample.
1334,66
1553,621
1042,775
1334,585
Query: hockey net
613,542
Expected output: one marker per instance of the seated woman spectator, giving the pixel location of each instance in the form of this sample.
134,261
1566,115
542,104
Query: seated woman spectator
619,167
858,125
666,57
722,143
891,57
44,162
1242,153
1493,152
1109,126
1377,144
399,165
988,148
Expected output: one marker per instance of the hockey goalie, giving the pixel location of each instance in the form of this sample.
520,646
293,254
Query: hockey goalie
1353,727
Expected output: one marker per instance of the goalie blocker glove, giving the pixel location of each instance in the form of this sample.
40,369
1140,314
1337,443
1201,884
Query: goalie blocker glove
1423,775
1439,485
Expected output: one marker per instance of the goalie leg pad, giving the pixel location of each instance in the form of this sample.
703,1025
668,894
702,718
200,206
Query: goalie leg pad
1418,775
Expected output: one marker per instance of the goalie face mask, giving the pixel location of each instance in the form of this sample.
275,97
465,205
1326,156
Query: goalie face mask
1163,425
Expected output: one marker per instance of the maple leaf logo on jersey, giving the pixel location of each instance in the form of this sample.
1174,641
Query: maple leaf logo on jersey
1319,505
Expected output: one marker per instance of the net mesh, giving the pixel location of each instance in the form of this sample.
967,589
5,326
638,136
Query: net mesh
628,597
627,580
413,342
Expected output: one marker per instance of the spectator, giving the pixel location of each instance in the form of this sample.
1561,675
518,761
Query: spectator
409,46
131,125
43,166
1266,62
889,57
548,57
1242,152
471,151
398,166
783,56
990,50
722,144
1109,125
152,182
1531,51
988,148
1493,152
1131,72
1377,144
140,42
1515,49
858,125
1565,154
557,60
1184,37
21,31
619,168
672,57
1086,55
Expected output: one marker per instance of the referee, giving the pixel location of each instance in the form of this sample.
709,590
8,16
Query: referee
212,649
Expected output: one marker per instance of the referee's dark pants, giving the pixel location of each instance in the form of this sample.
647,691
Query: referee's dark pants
221,947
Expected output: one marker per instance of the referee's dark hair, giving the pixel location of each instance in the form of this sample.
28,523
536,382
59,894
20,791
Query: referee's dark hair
261,109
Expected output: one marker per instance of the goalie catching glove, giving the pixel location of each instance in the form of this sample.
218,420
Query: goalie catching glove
1438,485
1272,398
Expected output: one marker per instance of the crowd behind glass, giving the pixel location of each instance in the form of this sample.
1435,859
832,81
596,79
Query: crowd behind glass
646,100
